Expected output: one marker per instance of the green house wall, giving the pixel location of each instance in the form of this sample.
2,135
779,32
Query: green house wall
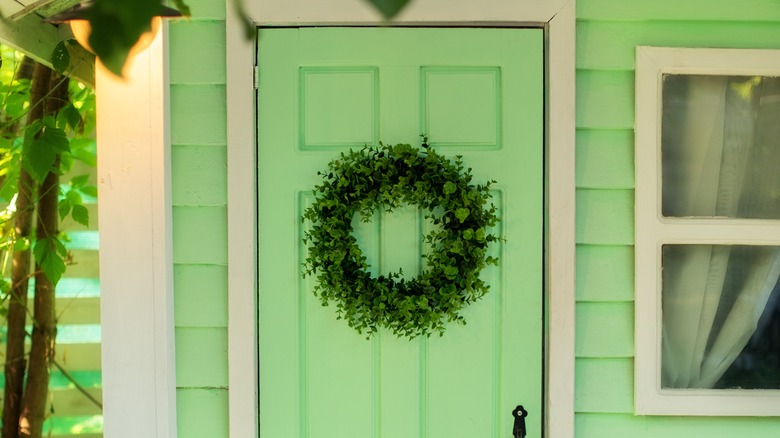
199,196
607,33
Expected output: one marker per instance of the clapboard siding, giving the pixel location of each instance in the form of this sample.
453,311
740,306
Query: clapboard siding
608,32
689,10
599,425
605,159
605,217
604,329
602,385
199,197
605,273
606,45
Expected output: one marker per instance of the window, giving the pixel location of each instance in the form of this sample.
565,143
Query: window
707,232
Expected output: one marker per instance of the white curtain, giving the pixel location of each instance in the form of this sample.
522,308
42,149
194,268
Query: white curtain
720,141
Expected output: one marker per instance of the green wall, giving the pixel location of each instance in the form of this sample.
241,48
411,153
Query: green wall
199,167
607,33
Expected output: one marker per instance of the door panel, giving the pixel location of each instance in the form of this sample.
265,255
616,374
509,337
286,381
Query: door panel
476,93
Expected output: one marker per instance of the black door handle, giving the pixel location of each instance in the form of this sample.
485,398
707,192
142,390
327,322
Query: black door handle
518,431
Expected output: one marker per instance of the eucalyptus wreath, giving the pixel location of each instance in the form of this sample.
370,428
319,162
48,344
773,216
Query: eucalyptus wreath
386,177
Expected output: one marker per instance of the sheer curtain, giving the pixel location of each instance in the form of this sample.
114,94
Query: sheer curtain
721,137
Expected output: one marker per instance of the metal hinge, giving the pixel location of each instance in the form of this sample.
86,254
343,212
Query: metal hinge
256,76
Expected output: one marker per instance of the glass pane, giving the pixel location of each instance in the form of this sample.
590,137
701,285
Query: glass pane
720,146
721,316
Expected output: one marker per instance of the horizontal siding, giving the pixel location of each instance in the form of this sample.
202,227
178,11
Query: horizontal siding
201,292
608,32
603,45
605,158
604,329
602,385
603,101
692,10
199,114
627,425
200,235
199,197
201,175
203,357
605,273
605,217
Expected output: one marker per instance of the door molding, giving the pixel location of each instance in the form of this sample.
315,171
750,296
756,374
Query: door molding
557,17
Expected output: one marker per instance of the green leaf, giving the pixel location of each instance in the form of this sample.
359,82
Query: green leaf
60,57
43,150
63,207
116,27
89,191
182,7
73,118
74,197
449,188
79,181
22,244
389,8
81,215
462,214
50,258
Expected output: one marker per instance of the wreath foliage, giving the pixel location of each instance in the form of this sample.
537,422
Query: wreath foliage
360,182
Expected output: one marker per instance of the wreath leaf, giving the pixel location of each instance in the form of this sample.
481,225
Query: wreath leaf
385,177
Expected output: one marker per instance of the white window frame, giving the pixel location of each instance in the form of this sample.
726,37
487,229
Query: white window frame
653,231
558,18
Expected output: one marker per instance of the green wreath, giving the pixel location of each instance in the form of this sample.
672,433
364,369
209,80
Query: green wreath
387,177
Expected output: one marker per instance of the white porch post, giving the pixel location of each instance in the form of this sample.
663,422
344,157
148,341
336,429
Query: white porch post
139,386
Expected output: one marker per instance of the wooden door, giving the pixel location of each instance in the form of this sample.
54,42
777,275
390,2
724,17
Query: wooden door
474,92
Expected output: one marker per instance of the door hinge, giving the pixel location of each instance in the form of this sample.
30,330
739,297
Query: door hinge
256,77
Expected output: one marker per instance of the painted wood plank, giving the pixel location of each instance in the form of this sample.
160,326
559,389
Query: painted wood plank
194,45
605,159
83,240
136,260
199,235
200,295
597,425
207,9
605,217
611,45
605,273
202,412
201,357
38,40
199,175
605,329
84,264
200,115
604,385
74,310
77,356
605,99
704,10
71,402
284,12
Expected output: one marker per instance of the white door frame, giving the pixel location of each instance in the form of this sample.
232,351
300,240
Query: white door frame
558,18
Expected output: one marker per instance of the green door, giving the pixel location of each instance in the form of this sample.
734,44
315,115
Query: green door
476,93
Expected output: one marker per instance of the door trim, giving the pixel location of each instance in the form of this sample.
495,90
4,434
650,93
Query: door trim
558,19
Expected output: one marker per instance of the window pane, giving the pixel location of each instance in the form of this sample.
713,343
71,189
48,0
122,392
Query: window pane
720,146
721,316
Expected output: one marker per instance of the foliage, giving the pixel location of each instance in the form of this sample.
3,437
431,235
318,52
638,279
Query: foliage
52,144
386,177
